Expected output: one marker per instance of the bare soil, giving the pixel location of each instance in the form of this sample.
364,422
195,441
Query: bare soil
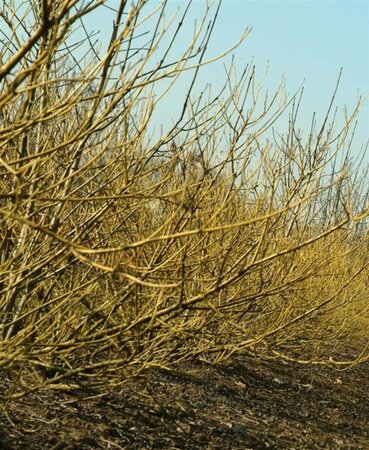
243,404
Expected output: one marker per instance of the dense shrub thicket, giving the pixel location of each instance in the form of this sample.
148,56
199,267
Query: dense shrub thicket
121,250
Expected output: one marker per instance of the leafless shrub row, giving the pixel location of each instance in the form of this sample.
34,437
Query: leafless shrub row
121,251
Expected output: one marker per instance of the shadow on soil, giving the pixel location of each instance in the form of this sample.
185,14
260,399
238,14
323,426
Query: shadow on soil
245,404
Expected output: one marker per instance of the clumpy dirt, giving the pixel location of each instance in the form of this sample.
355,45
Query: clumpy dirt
243,404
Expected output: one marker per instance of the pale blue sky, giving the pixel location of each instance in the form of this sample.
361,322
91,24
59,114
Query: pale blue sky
301,39
306,40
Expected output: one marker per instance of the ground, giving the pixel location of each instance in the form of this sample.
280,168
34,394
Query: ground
245,403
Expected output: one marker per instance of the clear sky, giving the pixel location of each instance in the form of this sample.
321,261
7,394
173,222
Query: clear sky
304,40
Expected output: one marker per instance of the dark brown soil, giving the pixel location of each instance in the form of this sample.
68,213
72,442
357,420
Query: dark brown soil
244,404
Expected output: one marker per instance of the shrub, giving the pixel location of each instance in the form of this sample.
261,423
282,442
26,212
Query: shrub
121,251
